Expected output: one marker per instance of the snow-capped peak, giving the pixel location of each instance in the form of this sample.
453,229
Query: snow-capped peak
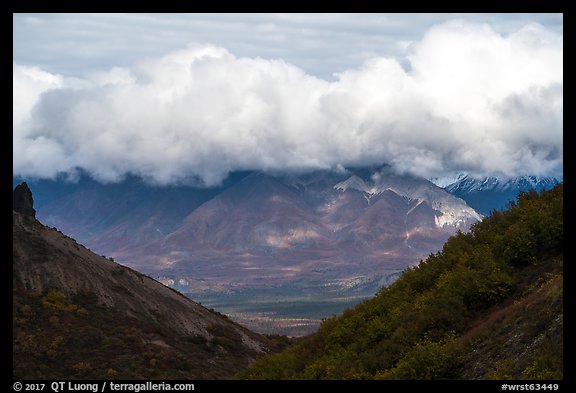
444,181
471,184
453,210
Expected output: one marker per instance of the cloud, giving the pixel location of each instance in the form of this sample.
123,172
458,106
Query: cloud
473,100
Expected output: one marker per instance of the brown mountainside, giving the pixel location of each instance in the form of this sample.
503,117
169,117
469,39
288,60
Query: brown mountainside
285,229
79,315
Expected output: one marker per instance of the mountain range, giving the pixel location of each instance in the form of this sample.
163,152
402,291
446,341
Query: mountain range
264,247
488,306
485,194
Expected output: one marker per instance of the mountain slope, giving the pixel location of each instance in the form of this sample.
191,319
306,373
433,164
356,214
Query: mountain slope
76,314
489,305
283,228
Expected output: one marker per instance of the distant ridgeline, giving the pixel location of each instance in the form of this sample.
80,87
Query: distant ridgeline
488,306
492,193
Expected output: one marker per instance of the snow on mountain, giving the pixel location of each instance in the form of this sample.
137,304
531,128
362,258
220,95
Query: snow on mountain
467,183
488,193
453,210
445,181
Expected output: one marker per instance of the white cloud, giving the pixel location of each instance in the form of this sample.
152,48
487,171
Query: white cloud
473,100
28,84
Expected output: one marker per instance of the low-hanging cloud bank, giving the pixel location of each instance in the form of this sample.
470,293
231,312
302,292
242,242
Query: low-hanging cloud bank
473,100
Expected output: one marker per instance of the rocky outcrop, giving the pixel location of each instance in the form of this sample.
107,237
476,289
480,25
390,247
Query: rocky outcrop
22,201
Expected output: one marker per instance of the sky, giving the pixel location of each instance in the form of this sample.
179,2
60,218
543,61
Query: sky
188,98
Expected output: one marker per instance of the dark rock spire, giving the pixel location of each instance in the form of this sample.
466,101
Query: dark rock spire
22,201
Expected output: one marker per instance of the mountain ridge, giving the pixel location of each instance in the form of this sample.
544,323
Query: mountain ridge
263,216
490,192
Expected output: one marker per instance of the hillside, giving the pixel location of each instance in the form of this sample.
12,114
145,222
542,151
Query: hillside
79,315
488,306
